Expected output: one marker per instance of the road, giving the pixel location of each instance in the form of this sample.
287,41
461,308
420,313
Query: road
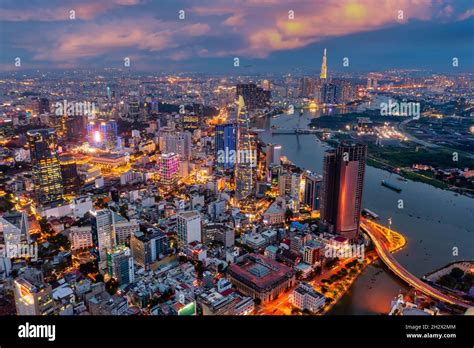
389,260
402,128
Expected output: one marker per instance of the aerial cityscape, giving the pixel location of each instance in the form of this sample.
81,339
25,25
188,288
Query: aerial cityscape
191,159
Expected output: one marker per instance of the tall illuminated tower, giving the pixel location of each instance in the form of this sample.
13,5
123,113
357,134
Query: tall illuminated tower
225,141
324,67
246,161
46,167
169,169
343,181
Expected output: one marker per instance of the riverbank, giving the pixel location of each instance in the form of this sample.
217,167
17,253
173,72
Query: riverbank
396,242
427,215
401,159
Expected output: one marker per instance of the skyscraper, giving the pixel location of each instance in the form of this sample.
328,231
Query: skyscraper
120,264
312,191
308,85
102,134
246,157
33,297
273,154
188,228
225,142
46,168
168,170
71,180
171,141
324,68
103,233
254,96
343,181
190,121
147,247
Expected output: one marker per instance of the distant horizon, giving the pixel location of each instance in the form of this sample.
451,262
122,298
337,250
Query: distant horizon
309,72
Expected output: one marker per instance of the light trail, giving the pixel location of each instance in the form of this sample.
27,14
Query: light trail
387,257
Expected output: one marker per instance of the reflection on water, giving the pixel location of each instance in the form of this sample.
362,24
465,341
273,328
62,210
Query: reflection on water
433,220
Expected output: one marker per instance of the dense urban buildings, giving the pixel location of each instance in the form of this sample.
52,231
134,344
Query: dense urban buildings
164,188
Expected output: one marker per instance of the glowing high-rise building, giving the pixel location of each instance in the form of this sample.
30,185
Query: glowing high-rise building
343,182
169,169
324,67
225,143
246,157
33,297
46,167
102,134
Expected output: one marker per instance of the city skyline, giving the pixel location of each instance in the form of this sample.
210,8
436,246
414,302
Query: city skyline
425,35
313,160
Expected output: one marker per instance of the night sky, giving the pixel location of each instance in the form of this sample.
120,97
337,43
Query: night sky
259,33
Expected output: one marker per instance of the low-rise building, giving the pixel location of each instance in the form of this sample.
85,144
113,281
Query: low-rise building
260,277
304,297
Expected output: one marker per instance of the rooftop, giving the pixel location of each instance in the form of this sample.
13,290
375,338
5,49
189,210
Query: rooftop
260,271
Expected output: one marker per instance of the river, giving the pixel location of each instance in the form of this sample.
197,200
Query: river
433,221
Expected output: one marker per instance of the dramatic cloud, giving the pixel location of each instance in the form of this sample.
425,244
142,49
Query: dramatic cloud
42,33
84,10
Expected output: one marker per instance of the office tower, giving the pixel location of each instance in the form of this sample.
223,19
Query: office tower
225,144
46,168
328,93
32,297
308,85
168,170
176,142
324,67
148,247
71,180
120,264
103,233
337,91
188,228
38,106
43,106
134,110
273,154
190,121
110,229
124,228
254,97
76,127
343,181
246,157
102,134
273,174
344,91
312,191
289,185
